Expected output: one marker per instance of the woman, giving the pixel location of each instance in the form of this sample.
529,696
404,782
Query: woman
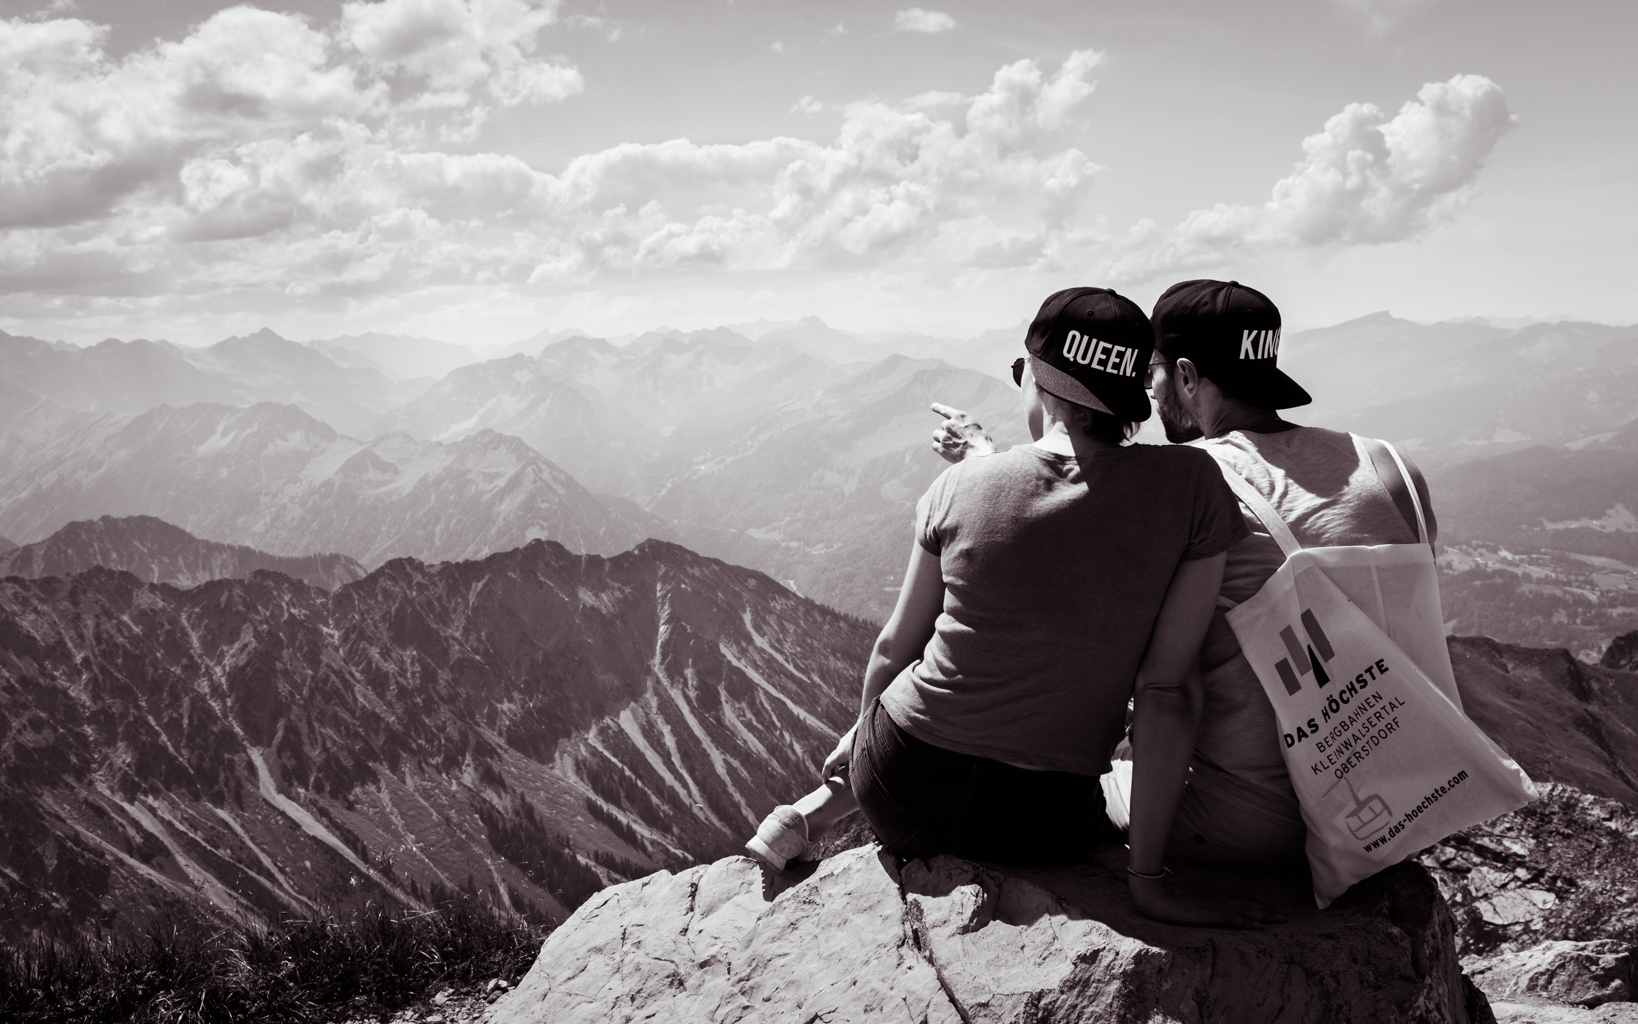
1048,585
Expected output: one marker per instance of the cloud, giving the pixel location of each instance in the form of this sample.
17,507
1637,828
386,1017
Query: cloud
213,121
454,47
265,155
1366,179
807,105
916,19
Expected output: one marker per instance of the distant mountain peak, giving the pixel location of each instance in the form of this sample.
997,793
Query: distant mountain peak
263,336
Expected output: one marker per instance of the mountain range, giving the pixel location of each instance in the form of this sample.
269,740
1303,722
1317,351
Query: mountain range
156,552
276,479
396,356
1451,392
799,449
536,724
1579,500
757,452
118,377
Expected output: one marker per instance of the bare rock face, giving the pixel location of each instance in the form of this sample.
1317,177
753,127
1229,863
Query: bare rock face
950,940
1563,867
1578,973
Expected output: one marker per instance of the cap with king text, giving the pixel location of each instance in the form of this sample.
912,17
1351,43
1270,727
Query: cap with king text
1091,347
1232,335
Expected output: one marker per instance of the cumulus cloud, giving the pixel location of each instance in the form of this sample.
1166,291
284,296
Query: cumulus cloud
1367,178
265,154
452,49
916,19
81,133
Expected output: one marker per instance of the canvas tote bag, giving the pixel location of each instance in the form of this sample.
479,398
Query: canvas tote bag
1349,645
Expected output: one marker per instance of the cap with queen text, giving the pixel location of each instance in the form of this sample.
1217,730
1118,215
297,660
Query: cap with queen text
1091,347
1232,335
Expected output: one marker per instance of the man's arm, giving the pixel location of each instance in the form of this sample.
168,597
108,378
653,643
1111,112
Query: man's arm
1425,498
901,641
1388,472
1168,702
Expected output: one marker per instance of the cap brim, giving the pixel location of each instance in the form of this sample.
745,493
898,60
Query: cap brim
1271,389
1133,406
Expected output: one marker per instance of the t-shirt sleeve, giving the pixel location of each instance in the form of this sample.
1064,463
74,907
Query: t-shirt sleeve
1217,524
933,513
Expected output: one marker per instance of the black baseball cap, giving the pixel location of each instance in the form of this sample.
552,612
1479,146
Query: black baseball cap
1232,334
1091,347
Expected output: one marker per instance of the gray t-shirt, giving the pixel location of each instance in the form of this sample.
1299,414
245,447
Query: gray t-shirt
1322,483
1054,573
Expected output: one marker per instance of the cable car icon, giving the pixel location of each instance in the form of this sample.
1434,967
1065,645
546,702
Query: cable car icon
1368,816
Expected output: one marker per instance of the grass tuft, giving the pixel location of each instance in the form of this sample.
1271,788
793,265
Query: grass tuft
366,962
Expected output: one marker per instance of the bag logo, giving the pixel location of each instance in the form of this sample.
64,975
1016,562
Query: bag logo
1086,350
1303,657
1368,815
1260,344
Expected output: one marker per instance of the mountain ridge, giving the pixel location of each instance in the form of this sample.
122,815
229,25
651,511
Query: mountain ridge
536,723
157,552
274,478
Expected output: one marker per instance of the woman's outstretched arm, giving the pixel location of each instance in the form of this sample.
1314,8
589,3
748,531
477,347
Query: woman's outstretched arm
1166,717
901,641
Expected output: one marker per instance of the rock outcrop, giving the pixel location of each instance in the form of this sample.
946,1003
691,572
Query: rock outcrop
1563,867
1622,653
862,939
1578,973
1561,719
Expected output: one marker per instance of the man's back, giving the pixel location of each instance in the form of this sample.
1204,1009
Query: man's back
1324,485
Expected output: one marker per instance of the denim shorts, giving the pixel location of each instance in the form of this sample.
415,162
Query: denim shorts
923,800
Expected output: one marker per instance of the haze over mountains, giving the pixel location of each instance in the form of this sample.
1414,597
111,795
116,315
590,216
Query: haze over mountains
116,377
792,447
274,478
760,453
1454,391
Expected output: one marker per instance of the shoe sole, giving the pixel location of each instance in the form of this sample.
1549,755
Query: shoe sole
762,852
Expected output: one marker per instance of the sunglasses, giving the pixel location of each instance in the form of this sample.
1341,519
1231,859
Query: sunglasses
1018,371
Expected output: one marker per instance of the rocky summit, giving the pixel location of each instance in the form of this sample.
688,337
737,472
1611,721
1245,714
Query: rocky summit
864,938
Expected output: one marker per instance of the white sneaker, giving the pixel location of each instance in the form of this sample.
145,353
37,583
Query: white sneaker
782,837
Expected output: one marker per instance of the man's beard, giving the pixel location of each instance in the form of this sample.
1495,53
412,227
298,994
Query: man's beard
1180,425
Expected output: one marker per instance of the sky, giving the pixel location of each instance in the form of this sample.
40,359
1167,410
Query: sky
482,170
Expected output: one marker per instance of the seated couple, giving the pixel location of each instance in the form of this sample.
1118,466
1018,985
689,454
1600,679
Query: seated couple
1052,583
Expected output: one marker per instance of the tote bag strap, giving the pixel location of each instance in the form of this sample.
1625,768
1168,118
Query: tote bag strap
1397,480
1260,508
1410,485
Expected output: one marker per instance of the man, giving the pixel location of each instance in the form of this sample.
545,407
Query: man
1217,384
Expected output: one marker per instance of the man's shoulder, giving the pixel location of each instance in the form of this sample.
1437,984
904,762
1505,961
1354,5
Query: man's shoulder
1242,447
